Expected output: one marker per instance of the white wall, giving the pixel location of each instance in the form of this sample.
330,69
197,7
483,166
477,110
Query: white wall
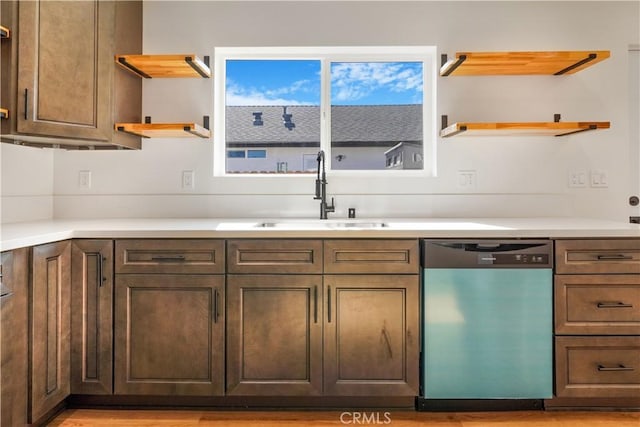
515,176
26,182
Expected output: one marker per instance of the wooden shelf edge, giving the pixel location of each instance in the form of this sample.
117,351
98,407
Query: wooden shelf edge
165,66
521,128
521,63
4,113
5,33
164,130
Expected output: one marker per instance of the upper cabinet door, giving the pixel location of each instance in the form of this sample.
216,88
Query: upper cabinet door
65,68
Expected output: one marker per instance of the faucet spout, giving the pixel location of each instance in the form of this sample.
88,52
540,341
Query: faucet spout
321,187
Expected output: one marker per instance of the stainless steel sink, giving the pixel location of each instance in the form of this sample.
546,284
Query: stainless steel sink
322,224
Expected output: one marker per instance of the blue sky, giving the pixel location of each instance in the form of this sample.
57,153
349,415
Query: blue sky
297,82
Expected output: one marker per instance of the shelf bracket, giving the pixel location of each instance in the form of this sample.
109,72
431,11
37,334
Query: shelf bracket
444,122
122,129
189,60
589,58
591,127
556,118
124,62
453,66
205,122
147,120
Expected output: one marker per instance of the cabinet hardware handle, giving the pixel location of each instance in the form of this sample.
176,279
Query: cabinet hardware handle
613,257
6,295
620,367
315,304
175,258
26,103
216,298
329,304
613,304
100,276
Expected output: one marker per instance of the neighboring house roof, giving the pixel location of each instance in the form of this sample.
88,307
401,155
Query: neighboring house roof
359,123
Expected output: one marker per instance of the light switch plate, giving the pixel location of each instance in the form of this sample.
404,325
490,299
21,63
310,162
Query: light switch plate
188,180
84,179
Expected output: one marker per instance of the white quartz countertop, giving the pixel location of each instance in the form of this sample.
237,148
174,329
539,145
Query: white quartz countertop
16,235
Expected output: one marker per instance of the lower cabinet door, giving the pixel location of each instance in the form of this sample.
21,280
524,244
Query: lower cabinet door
371,336
92,317
50,328
274,335
169,334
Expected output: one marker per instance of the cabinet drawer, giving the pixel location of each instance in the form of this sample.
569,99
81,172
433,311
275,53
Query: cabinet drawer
371,256
597,366
283,256
170,256
597,304
598,256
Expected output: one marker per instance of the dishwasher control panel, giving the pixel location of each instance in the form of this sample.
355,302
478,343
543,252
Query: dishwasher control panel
445,253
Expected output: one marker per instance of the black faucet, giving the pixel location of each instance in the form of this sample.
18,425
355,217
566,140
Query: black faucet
321,188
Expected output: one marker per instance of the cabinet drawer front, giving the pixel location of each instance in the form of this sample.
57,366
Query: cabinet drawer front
598,256
170,256
597,366
597,304
274,256
371,256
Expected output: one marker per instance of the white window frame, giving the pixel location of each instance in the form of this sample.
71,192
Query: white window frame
327,55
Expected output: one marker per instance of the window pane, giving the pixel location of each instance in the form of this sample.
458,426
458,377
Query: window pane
272,109
376,115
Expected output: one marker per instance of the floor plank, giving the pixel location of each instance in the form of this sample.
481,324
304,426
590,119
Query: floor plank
197,418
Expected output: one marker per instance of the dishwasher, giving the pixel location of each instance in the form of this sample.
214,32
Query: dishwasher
487,324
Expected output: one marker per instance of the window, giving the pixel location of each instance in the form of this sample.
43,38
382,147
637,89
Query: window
371,109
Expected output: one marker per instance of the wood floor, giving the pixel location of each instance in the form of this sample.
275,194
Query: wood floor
154,418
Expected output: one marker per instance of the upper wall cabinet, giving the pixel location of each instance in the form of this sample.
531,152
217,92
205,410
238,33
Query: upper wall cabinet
520,63
166,66
59,81
5,33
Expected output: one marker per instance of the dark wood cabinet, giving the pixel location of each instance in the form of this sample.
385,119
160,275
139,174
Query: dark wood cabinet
92,317
597,323
371,335
50,327
169,334
331,335
63,87
13,337
274,335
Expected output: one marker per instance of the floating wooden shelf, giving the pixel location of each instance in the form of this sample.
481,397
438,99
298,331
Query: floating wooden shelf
151,66
520,129
164,130
520,63
5,33
4,113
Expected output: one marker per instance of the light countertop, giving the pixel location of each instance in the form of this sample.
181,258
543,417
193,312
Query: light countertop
16,235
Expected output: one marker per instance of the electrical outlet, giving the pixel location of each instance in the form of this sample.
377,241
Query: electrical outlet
467,180
84,179
599,179
578,179
188,180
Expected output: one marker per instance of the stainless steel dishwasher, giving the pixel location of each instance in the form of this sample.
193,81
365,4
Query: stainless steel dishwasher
487,322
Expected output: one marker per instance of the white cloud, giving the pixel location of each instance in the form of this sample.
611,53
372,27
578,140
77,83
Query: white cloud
351,81
239,95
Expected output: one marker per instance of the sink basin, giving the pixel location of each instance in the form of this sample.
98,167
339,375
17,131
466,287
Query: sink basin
322,224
